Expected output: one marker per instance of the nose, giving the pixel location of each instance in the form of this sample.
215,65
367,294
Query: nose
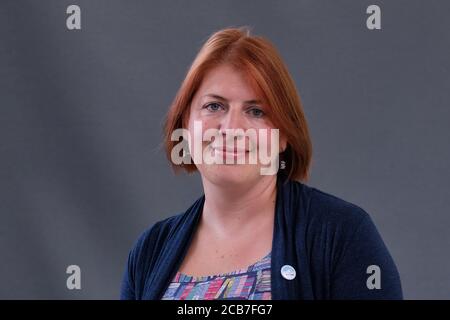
233,119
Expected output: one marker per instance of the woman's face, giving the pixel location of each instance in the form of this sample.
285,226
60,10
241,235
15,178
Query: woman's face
224,101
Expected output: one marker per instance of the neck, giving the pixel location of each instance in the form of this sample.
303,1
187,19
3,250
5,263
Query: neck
233,209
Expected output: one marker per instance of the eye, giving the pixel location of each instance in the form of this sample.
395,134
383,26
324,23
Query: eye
213,107
256,112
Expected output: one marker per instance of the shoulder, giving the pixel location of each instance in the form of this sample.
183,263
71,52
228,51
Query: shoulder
143,256
343,230
343,237
156,234
335,224
165,234
148,245
324,208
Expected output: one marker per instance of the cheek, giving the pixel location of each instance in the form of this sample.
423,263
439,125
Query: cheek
197,130
206,124
268,137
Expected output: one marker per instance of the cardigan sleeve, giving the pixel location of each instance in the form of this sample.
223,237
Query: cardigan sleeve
132,279
127,287
365,268
140,279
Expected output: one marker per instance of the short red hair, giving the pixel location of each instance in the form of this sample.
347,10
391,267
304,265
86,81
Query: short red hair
268,75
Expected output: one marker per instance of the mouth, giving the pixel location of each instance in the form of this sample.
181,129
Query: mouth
229,152
226,151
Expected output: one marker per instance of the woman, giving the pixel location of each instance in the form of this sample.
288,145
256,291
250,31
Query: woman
256,233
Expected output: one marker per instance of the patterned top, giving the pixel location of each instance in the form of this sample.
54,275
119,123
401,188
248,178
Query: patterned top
252,283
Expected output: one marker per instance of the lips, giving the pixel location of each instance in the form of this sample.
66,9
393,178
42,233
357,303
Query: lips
230,151
224,149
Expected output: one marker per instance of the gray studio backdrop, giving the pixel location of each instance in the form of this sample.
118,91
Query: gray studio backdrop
82,173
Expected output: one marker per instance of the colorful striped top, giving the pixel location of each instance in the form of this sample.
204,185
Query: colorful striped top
251,283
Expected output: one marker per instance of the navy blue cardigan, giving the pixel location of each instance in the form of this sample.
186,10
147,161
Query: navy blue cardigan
328,241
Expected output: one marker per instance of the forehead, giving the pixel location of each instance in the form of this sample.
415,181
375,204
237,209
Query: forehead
228,82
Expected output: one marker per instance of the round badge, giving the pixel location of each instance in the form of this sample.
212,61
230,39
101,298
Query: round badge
288,272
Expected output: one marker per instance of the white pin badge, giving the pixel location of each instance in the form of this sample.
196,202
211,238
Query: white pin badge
288,272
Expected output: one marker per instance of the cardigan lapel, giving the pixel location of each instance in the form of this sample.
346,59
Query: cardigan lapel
288,247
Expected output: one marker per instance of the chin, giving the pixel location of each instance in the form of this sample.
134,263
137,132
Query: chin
231,174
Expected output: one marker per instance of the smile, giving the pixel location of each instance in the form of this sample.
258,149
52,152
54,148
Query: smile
230,152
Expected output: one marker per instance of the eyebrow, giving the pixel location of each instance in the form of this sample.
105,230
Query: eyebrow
215,96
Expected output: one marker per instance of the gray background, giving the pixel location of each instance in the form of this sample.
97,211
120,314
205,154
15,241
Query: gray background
81,169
